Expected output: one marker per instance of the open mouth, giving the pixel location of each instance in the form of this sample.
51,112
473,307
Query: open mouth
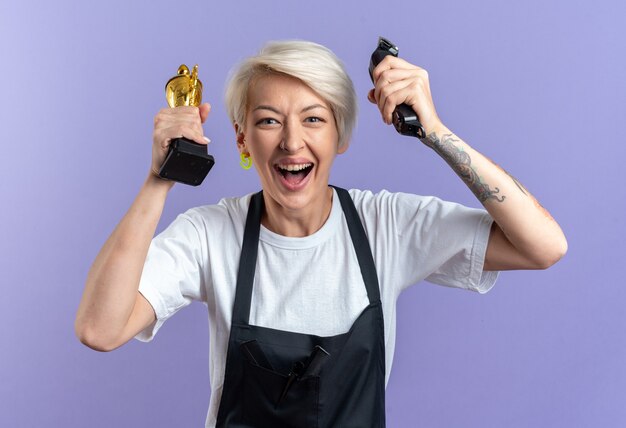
294,173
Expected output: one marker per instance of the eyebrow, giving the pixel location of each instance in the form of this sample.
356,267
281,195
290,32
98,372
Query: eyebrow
314,106
270,108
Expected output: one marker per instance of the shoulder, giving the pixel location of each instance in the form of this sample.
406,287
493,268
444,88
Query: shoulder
228,211
398,211
383,201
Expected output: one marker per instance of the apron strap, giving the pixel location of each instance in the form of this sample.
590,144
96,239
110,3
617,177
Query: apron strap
250,247
247,261
361,245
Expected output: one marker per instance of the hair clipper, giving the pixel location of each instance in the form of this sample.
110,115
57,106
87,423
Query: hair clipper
404,118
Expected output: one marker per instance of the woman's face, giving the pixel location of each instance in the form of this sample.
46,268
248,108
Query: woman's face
291,135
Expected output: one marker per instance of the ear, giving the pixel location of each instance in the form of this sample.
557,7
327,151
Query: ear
241,139
342,149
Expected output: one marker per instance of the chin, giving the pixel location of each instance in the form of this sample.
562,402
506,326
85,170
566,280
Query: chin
294,200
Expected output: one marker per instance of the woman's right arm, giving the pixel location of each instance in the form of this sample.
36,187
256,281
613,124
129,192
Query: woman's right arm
112,311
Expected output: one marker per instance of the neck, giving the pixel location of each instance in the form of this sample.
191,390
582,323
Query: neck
301,222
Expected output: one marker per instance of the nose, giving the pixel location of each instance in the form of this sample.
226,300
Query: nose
293,138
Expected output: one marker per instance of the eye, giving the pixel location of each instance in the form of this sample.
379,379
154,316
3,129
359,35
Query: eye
314,119
267,121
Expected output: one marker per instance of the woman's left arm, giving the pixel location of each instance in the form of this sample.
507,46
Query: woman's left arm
524,235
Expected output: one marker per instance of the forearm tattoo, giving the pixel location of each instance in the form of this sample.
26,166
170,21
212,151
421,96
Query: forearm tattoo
461,163
517,183
524,191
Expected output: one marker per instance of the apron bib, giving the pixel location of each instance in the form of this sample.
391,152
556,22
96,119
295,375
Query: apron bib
282,379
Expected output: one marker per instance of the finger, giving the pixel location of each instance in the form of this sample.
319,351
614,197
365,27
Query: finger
181,111
391,96
392,76
176,128
370,96
205,109
173,115
166,115
166,121
193,136
198,138
391,62
164,136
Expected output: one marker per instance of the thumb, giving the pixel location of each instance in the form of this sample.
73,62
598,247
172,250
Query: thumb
370,96
204,111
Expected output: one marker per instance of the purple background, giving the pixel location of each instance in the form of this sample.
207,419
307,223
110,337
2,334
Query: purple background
536,85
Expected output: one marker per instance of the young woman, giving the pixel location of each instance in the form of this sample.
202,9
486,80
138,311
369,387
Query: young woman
301,279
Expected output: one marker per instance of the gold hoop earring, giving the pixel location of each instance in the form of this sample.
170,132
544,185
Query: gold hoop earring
246,161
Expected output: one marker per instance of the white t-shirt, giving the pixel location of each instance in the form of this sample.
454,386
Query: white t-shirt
312,285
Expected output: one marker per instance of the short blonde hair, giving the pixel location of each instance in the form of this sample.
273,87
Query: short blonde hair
315,65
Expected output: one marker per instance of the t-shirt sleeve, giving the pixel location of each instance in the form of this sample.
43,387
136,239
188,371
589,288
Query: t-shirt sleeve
425,238
172,274
461,261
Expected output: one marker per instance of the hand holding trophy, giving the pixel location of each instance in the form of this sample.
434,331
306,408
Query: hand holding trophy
186,161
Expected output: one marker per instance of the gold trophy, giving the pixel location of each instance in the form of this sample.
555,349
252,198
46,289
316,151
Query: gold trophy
186,161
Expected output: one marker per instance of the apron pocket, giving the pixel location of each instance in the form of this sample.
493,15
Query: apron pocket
262,389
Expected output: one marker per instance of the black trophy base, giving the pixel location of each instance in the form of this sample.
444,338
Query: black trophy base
186,162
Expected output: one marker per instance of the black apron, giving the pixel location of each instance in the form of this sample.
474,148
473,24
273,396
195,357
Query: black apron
282,379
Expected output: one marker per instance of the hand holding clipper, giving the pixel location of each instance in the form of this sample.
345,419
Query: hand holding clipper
404,118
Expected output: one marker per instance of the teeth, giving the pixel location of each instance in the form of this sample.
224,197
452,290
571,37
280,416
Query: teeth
298,167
